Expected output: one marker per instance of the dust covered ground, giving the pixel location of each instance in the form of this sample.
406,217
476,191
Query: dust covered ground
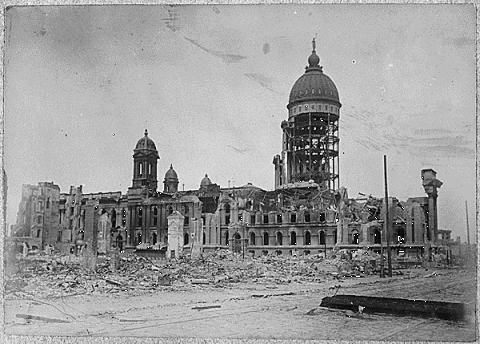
225,296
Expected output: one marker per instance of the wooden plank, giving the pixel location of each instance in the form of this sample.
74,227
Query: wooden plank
444,310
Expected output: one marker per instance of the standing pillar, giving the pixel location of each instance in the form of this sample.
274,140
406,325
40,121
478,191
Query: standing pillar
197,242
175,235
91,235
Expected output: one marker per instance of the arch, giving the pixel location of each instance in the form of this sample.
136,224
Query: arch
377,236
124,217
155,215
119,241
293,238
321,238
186,238
140,215
355,237
265,239
401,235
114,218
252,239
279,238
308,238
139,238
237,236
154,238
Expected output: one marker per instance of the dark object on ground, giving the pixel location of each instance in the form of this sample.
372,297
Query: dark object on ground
444,310
35,317
199,308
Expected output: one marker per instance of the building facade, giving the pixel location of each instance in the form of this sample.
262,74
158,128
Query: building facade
307,212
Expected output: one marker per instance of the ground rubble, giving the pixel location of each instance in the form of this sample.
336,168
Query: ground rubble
56,275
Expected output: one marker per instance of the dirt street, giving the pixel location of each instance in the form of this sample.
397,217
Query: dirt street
255,309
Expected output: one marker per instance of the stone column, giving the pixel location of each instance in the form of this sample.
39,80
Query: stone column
175,235
197,242
91,235
363,240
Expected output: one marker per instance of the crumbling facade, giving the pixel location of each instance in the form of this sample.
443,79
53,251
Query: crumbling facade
307,212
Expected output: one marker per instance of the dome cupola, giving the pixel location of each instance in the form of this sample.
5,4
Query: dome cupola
170,183
145,156
314,84
205,181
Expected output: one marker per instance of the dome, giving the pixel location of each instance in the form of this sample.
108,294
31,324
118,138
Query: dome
205,181
171,174
314,84
145,143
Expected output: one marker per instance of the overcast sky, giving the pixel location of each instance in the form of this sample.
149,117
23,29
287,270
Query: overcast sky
211,85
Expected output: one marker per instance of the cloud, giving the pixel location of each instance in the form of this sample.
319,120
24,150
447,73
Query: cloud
229,58
368,130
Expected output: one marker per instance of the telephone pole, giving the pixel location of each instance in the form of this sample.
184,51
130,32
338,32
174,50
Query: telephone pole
387,221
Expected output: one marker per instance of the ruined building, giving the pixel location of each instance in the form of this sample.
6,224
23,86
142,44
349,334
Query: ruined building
307,212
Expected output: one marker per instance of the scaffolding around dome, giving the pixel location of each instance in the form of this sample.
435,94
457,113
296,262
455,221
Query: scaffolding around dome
310,148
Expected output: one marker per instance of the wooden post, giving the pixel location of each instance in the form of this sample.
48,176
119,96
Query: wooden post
387,222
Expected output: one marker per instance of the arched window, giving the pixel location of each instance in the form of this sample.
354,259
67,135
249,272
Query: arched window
124,216
265,238
154,238
170,210
401,235
355,237
279,238
252,239
377,237
227,208
308,239
155,215
293,238
322,238
114,218
186,208
139,238
140,214
185,238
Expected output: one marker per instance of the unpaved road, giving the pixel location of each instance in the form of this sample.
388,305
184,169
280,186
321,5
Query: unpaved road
249,311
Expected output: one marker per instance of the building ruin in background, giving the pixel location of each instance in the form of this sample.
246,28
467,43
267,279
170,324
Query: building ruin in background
307,212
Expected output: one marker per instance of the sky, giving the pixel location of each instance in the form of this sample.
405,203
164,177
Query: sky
211,85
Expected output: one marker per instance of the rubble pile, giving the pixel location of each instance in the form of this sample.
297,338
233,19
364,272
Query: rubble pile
62,275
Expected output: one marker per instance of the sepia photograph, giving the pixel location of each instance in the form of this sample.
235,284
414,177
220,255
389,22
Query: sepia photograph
240,172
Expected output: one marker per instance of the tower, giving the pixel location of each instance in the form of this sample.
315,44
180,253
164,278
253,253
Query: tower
430,185
310,135
145,156
170,183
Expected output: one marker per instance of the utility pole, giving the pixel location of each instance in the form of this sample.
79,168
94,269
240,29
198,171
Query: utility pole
387,222
468,236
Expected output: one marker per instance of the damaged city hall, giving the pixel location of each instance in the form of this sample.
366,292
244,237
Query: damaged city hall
308,212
